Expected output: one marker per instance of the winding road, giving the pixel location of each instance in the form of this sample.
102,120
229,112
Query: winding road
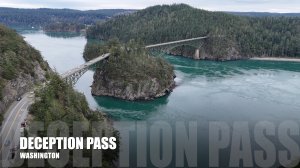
11,127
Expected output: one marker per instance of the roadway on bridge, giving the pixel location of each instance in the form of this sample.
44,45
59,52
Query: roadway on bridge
75,70
175,42
86,65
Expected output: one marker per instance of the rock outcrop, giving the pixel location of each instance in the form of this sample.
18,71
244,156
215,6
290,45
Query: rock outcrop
229,53
145,89
21,67
20,85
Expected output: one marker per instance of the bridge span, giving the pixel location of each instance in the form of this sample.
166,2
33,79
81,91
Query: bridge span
167,47
181,42
73,75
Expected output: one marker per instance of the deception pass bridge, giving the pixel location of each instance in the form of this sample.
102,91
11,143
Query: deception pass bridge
18,111
73,75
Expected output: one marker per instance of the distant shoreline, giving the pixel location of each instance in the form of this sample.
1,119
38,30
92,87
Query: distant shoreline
276,59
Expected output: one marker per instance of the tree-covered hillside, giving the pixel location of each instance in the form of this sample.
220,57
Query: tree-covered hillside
44,16
63,27
264,14
58,101
16,56
266,36
20,66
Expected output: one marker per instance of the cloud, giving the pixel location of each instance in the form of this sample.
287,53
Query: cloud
18,5
215,5
253,1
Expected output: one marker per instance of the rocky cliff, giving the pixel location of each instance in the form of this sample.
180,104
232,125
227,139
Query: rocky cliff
21,67
20,85
230,53
139,89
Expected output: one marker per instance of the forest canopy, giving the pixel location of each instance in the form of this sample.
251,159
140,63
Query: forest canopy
16,56
251,36
41,17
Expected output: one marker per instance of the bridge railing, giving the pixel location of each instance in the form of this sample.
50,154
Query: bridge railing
84,66
175,42
74,74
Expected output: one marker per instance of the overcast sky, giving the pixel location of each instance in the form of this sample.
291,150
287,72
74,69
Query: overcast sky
281,6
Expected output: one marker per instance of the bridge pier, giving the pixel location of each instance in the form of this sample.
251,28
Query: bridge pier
168,46
197,54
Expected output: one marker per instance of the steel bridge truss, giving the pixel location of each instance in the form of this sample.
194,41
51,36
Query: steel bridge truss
162,48
72,76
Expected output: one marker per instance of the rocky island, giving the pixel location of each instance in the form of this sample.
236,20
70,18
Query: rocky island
131,74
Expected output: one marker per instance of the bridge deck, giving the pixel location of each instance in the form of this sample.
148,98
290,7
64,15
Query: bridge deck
175,42
87,64
96,60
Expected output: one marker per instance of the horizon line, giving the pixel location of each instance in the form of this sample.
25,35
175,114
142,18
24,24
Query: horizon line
138,9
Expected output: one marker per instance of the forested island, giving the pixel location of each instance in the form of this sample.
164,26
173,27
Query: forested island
54,20
231,36
64,27
130,73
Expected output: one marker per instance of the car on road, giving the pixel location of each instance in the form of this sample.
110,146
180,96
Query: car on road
19,98
14,149
12,155
7,143
23,124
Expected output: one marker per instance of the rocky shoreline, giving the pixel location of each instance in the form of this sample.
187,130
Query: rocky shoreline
130,73
147,89
238,57
229,54
276,59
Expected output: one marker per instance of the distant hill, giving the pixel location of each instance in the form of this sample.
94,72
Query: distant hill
264,14
243,36
43,16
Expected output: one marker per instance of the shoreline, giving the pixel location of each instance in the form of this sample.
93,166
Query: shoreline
276,59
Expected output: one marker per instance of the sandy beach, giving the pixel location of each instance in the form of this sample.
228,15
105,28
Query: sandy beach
276,59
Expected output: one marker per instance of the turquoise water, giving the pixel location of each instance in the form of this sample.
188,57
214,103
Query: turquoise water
239,90
206,90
